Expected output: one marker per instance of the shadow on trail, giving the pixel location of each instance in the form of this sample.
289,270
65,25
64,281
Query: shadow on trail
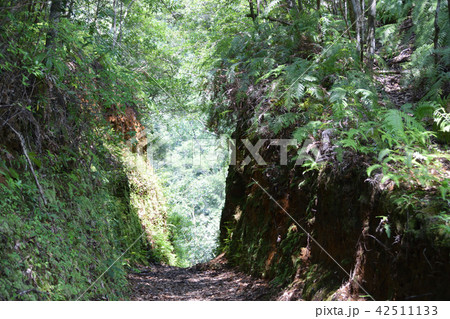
211,281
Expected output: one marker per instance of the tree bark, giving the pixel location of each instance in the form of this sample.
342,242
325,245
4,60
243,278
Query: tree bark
344,15
252,10
30,164
436,32
334,7
56,10
114,24
448,9
371,32
122,22
363,25
359,25
351,14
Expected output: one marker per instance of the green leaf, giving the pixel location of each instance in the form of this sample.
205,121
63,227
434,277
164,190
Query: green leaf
383,153
13,173
36,161
387,229
350,143
372,168
393,119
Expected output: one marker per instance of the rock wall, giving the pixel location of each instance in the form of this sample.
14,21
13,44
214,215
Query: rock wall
402,256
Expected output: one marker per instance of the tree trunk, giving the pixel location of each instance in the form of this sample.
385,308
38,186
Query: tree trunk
114,24
359,25
344,15
290,4
252,10
70,10
363,25
448,9
127,10
351,14
97,10
371,32
300,5
436,32
56,10
334,6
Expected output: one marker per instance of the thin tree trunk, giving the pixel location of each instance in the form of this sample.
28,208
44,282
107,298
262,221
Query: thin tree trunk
358,16
121,19
344,15
371,32
300,5
335,6
363,26
127,10
319,27
448,9
252,10
290,4
56,10
351,14
436,32
114,24
97,10
30,164
70,11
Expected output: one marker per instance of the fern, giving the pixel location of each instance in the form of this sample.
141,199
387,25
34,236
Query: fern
425,109
442,119
272,5
274,72
412,124
303,132
283,121
393,120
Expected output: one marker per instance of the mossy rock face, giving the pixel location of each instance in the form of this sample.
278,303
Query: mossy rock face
320,283
342,212
56,252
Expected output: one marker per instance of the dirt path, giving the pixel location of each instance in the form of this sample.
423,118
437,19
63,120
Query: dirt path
391,79
211,281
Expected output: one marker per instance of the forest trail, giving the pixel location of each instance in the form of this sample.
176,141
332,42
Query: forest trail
214,280
391,78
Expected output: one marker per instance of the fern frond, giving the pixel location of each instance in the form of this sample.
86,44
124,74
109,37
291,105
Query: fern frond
272,5
393,120
425,109
283,121
442,119
411,123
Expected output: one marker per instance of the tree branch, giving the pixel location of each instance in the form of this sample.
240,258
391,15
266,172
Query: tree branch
279,21
25,152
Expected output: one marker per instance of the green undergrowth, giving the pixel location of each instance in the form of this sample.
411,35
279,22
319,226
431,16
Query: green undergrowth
98,205
345,122
148,203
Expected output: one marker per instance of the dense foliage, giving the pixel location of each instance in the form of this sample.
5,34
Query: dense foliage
190,161
301,73
71,201
370,92
373,75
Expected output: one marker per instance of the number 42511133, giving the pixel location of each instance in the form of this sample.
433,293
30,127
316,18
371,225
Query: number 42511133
407,310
